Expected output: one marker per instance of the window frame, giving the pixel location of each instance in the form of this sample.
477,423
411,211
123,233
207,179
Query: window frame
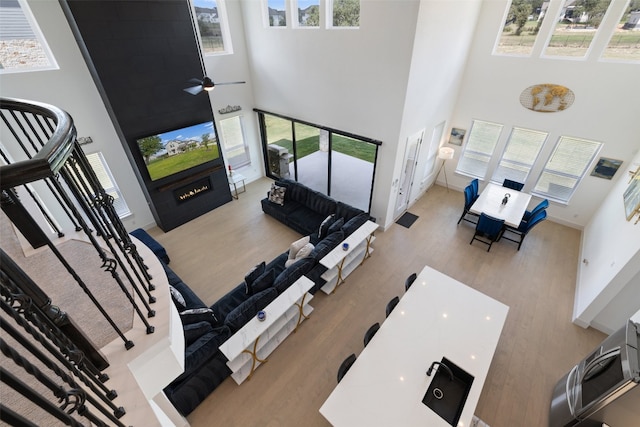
296,17
578,178
265,15
40,38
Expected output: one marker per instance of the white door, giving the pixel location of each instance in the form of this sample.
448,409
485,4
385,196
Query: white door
408,172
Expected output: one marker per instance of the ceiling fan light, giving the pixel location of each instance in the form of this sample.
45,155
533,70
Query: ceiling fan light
207,84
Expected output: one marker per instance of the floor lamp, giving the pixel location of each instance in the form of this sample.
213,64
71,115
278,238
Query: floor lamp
445,153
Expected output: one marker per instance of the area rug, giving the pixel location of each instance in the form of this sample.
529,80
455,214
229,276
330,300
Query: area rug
407,219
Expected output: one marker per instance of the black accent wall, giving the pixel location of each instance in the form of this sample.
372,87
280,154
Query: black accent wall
141,55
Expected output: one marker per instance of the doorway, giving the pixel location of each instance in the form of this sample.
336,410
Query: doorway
410,161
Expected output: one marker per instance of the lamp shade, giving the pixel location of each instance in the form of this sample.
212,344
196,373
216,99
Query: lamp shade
446,153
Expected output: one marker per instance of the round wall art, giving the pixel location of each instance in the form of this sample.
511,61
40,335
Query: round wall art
547,98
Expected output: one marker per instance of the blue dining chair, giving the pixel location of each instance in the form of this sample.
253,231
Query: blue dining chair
488,230
514,185
541,206
475,187
468,201
524,228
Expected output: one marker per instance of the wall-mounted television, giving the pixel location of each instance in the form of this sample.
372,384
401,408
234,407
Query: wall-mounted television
168,153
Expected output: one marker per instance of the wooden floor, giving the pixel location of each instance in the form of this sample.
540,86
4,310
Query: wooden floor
538,343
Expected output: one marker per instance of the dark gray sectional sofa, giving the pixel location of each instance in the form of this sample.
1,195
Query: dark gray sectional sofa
206,328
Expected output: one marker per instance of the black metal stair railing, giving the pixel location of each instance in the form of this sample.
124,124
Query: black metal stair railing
40,139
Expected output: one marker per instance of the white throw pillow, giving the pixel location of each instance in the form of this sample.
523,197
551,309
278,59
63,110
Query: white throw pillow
304,252
297,245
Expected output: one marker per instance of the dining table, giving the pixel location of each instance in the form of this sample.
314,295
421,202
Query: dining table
437,317
490,202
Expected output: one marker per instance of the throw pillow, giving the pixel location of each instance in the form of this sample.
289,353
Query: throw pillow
263,282
337,225
304,252
354,223
253,274
196,315
324,226
297,245
195,330
276,195
178,299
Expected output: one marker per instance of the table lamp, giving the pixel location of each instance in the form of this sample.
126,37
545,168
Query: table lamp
445,153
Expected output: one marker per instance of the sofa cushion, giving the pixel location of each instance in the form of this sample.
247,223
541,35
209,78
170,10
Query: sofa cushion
263,282
304,220
320,203
157,249
295,191
194,331
326,245
346,211
178,299
191,300
248,309
202,349
276,194
229,301
354,223
337,225
324,226
253,274
293,273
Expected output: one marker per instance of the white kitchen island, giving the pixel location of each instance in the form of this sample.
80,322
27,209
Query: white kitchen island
437,317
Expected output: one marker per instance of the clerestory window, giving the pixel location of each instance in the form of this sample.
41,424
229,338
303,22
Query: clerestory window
211,17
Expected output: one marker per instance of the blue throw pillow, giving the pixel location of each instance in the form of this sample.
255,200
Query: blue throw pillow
196,315
337,225
263,282
293,273
252,275
326,245
323,231
354,223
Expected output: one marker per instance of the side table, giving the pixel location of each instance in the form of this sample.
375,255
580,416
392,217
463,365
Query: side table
234,179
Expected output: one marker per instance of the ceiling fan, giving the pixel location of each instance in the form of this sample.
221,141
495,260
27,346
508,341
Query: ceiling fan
205,84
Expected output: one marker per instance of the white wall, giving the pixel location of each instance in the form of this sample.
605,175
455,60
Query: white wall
608,286
605,107
71,88
437,65
352,80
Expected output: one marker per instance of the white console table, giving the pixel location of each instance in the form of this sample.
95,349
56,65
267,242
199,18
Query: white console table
341,263
250,346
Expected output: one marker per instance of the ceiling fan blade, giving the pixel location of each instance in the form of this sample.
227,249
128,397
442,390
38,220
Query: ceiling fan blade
194,90
230,83
195,81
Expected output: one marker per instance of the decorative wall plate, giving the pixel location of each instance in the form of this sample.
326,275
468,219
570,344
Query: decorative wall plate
547,98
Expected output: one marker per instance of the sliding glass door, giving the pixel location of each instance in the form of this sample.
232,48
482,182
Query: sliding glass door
332,162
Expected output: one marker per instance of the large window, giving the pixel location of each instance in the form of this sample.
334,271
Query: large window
212,25
576,28
327,160
481,144
100,168
344,13
624,44
308,13
519,155
22,45
520,28
565,168
234,146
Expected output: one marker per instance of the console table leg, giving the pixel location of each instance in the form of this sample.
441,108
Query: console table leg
367,254
254,357
339,279
301,315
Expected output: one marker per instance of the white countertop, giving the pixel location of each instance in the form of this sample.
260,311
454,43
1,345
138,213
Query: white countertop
438,316
490,202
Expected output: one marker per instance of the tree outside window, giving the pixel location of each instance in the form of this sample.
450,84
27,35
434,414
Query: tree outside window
346,13
521,25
